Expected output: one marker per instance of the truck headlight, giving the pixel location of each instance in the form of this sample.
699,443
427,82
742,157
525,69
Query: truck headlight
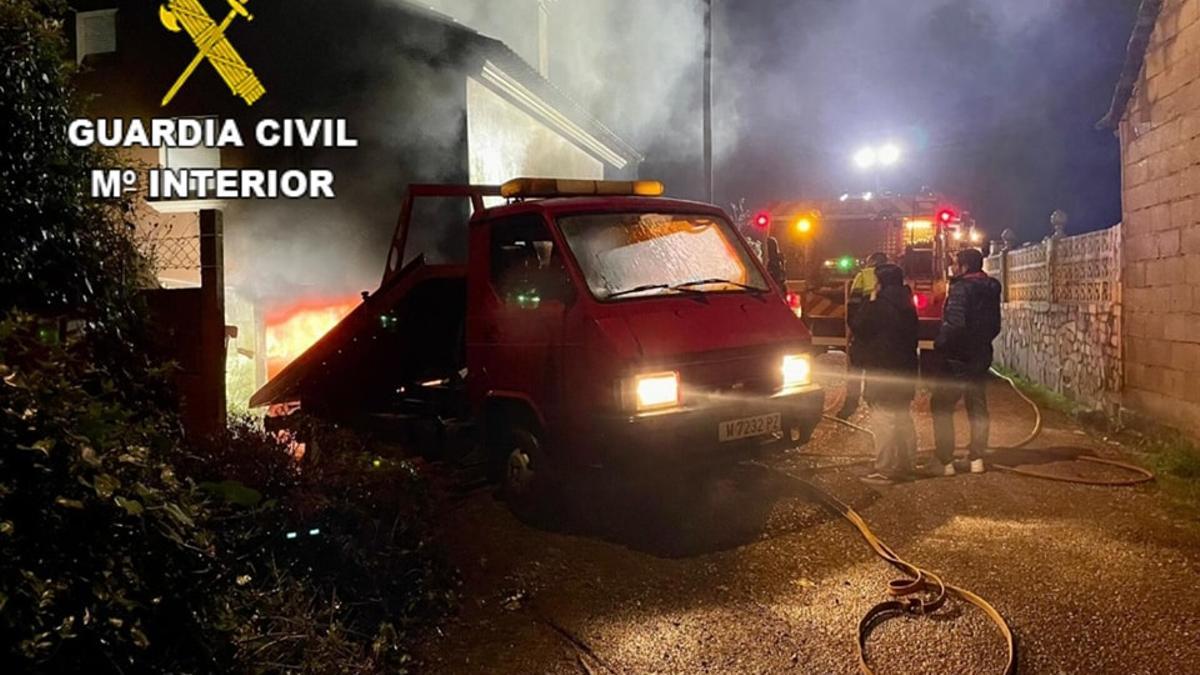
797,370
656,391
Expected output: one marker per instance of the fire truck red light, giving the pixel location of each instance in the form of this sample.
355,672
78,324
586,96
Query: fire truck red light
920,301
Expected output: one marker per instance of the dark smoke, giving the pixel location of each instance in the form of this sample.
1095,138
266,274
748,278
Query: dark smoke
993,102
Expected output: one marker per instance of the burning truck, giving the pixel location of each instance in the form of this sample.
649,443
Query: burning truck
592,324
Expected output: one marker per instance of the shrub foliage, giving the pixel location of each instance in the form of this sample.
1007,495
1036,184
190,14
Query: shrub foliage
124,546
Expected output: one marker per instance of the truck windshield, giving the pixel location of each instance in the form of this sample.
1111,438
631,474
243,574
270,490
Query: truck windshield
630,255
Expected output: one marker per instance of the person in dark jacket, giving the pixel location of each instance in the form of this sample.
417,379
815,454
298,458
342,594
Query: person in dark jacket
861,290
885,329
776,263
970,322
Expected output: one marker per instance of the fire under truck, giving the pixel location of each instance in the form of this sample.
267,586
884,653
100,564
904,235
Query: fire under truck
592,324
827,242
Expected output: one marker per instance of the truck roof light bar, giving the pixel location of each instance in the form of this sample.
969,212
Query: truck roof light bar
526,188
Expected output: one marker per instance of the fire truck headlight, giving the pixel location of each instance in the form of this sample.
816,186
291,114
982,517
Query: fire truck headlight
797,370
656,391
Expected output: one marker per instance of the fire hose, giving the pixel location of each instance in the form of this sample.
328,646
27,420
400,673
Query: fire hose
906,598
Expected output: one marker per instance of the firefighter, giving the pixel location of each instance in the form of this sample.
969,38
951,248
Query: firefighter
963,349
861,288
885,329
776,264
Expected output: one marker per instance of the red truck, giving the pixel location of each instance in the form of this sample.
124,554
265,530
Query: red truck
592,324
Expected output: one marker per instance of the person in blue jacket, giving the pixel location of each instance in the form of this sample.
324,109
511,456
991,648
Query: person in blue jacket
963,348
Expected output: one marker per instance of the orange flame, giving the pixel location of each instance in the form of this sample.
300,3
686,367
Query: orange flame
295,329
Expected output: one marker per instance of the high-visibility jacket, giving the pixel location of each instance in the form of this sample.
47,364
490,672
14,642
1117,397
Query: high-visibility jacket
864,283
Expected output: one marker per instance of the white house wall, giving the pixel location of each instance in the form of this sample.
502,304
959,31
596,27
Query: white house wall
505,142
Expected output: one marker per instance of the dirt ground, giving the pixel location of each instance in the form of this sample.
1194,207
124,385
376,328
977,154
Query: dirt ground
742,571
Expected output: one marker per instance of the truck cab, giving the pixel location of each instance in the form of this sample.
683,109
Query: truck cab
599,325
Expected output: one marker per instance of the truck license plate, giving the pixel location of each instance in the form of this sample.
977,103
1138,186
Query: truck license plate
759,425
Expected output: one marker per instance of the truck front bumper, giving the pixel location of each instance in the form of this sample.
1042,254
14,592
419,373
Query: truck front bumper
693,433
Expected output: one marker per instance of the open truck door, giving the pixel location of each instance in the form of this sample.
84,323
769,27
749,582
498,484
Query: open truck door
404,337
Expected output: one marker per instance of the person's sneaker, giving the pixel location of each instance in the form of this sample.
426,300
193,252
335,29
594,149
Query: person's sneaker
878,479
977,466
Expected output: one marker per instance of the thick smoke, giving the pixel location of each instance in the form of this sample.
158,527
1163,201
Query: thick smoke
993,103
632,63
365,61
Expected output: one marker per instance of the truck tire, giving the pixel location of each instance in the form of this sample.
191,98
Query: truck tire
806,434
527,481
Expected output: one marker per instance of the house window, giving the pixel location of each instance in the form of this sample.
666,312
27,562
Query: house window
199,157
95,33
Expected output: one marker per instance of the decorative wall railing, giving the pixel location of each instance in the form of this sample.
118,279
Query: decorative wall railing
1081,270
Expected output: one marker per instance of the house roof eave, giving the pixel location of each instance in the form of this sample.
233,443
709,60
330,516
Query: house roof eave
1135,57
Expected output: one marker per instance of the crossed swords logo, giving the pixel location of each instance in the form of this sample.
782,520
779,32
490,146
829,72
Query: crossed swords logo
209,38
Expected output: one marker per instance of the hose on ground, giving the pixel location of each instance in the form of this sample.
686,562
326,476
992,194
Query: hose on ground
904,592
1141,475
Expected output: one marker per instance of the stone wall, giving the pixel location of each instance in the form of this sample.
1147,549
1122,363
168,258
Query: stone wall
1160,141
1062,315
1071,349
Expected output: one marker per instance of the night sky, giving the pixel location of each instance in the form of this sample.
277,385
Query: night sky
994,102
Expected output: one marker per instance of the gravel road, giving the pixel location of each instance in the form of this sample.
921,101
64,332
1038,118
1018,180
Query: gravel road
741,571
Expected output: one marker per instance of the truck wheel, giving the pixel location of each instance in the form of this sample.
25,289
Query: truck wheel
806,434
527,481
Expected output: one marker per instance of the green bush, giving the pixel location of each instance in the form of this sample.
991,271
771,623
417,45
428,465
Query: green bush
337,552
65,254
103,552
124,546
104,561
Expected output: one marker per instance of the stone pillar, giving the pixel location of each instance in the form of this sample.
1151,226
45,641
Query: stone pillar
207,409
1058,224
1051,292
1009,238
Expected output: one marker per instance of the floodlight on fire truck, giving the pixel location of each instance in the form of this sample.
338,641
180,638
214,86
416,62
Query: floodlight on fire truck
889,154
866,157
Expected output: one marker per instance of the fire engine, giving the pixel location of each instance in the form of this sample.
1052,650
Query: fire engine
826,243
592,324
